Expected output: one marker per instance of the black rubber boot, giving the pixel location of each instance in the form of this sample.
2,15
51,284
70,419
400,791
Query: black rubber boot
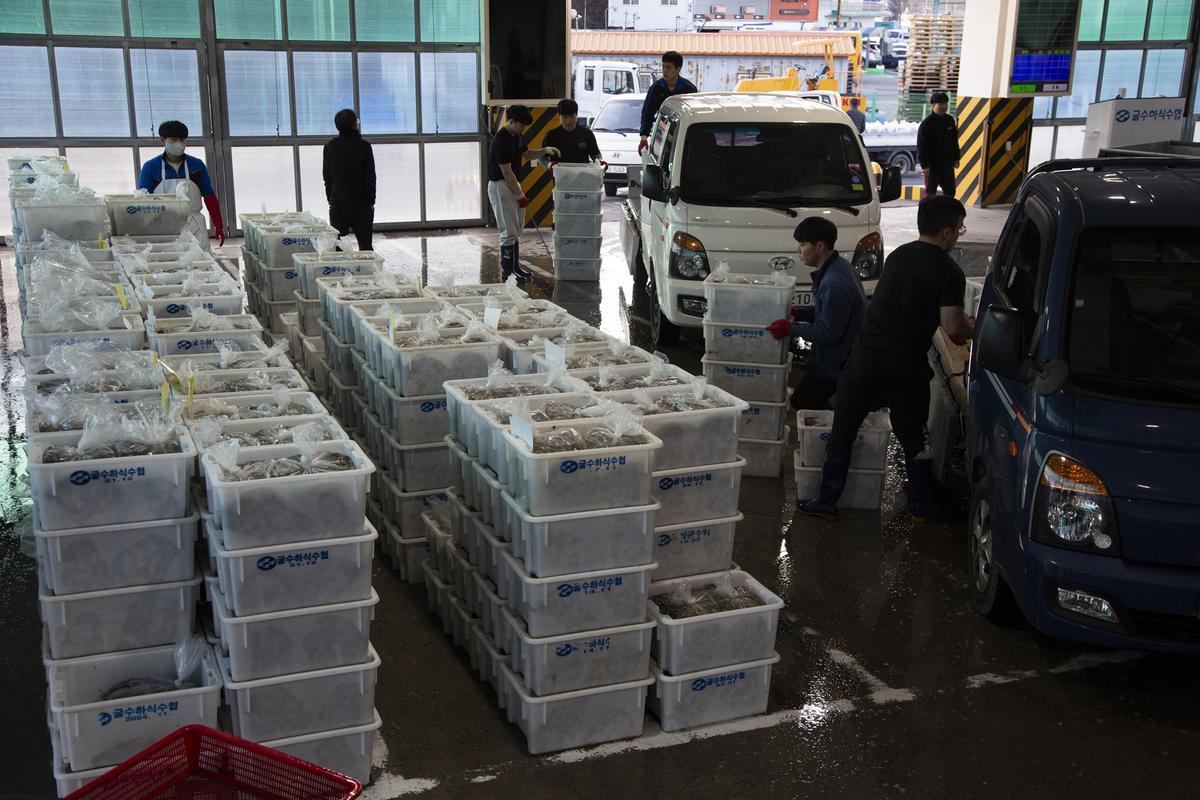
521,273
508,257
920,489
833,482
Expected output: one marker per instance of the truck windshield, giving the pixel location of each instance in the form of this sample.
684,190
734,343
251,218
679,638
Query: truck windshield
785,164
619,116
1134,329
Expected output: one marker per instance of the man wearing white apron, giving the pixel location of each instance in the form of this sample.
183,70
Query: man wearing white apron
166,173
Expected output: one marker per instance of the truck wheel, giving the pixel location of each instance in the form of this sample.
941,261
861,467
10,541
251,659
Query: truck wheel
662,330
610,190
990,594
902,160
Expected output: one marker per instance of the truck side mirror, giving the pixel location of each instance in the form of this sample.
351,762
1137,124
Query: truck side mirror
891,186
998,339
652,184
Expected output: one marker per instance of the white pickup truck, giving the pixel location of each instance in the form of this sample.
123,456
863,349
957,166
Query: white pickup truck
727,178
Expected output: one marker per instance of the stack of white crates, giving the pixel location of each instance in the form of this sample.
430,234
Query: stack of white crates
578,189
868,457
743,358
271,276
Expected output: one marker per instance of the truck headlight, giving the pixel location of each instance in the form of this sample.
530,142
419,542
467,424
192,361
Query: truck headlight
688,258
1073,508
868,257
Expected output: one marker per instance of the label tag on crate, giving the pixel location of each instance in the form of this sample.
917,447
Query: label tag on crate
491,318
522,428
556,354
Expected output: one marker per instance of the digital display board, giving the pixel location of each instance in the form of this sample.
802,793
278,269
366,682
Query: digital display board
1045,47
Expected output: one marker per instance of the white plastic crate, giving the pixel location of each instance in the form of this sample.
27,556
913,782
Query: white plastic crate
736,341
714,640
577,202
572,225
488,661
315,573
694,548
108,491
709,696
147,214
279,283
128,331
489,494
581,480
308,313
461,621
296,640
206,297
307,400
437,595
764,420
171,337
489,604
870,447
67,780
419,371
290,423
764,457
463,416
574,719
118,619
697,493
751,382
584,660
691,438
406,507
297,508
80,220
115,556
99,733
577,247
583,601
748,304
461,518
438,542
345,750
418,467
276,246
586,541
577,269
864,487
486,432
490,548
461,572
578,178
407,553
329,265
302,703
273,313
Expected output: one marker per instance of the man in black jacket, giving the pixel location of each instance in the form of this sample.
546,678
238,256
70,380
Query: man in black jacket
671,83
937,147
574,141
349,169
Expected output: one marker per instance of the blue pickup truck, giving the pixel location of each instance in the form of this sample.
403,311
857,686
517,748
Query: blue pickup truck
1083,420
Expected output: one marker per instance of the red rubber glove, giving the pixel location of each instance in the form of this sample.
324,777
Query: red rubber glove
642,145
780,328
214,211
604,166
522,201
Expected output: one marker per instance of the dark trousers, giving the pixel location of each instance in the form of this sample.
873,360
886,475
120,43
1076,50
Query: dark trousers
871,380
940,176
812,394
360,219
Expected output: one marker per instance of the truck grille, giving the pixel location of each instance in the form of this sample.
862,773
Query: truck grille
1166,627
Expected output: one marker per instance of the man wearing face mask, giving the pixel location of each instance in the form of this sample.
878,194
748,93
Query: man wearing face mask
165,174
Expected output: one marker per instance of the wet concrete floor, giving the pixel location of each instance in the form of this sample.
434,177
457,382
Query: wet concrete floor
889,685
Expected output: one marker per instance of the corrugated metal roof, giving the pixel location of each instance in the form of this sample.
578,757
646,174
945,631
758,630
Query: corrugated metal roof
725,43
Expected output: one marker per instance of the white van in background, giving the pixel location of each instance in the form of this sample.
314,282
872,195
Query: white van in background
727,178
616,129
594,83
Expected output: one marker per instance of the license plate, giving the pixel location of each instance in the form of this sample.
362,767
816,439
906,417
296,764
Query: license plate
802,299
617,169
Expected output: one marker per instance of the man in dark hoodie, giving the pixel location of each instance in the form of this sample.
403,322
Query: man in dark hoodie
349,169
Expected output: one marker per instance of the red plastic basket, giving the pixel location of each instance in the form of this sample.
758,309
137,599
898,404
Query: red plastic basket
201,763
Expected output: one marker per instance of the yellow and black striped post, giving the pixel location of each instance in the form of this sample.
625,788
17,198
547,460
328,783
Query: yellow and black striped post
990,170
535,180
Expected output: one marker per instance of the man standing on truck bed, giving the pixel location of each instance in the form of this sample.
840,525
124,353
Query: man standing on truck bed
921,288
837,313
937,147
671,83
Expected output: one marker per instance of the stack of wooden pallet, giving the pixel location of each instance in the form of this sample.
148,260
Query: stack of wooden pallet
934,51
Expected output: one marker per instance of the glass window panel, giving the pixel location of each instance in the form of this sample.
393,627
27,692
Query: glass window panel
1041,144
450,21
452,181
1169,19
104,170
387,92
1042,107
5,205
449,84
1126,20
248,19
87,17
324,86
91,91
1121,71
1164,73
1091,19
264,175
384,20
319,20
166,85
257,87
1070,142
1083,85
22,16
399,166
27,103
167,19
312,182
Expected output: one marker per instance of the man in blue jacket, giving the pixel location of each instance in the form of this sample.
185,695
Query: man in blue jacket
671,83
839,307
